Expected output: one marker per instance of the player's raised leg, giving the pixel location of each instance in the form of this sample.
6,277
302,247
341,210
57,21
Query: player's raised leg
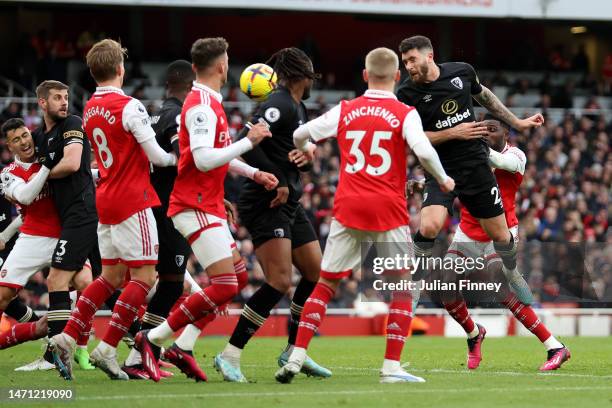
212,249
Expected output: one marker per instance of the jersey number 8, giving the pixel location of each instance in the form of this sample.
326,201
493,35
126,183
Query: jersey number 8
103,151
375,150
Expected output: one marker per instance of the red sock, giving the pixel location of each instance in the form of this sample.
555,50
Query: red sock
19,333
313,314
398,325
84,337
241,274
528,318
125,311
222,289
458,311
203,322
89,302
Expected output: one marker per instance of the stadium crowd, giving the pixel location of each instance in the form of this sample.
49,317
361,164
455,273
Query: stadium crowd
565,195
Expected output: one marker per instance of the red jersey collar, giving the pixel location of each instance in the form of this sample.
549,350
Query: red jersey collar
202,87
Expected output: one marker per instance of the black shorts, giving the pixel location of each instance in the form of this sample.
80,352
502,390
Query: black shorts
476,188
174,250
95,261
74,246
8,247
286,221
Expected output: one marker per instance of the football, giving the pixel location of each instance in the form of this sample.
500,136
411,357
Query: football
257,81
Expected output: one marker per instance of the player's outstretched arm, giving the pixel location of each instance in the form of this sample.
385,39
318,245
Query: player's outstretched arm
463,131
512,161
422,148
268,180
70,162
492,103
207,158
156,155
24,193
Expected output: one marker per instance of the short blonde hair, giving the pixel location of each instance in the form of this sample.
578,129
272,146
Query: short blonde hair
103,59
382,64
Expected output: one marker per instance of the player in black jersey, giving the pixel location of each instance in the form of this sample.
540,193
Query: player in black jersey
62,143
278,225
442,94
174,250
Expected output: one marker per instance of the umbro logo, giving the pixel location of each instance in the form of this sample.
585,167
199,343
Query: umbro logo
427,98
314,316
393,326
457,82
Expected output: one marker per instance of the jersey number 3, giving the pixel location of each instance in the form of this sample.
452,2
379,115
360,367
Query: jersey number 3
375,150
103,151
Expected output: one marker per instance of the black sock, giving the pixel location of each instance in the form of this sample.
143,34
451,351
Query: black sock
135,327
110,302
166,295
507,252
423,250
19,311
302,291
59,311
255,313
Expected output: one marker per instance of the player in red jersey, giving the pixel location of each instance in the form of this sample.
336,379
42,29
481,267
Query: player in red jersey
196,203
471,241
24,182
124,143
374,132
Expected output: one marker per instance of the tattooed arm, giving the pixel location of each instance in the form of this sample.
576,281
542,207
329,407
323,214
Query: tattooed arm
492,103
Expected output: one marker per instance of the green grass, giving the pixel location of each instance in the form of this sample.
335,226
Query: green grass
508,377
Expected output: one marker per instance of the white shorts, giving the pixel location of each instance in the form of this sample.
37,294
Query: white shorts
466,247
133,241
209,236
29,255
342,255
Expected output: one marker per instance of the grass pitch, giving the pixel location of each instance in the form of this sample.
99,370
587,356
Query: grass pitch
507,377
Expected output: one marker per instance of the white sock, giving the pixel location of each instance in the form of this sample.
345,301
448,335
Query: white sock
552,343
188,337
160,334
82,347
232,354
133,358
474,332
298,355
390,365
107,349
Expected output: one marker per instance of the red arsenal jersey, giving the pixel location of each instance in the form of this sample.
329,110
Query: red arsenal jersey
40,218
203,124
116,124
372,132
